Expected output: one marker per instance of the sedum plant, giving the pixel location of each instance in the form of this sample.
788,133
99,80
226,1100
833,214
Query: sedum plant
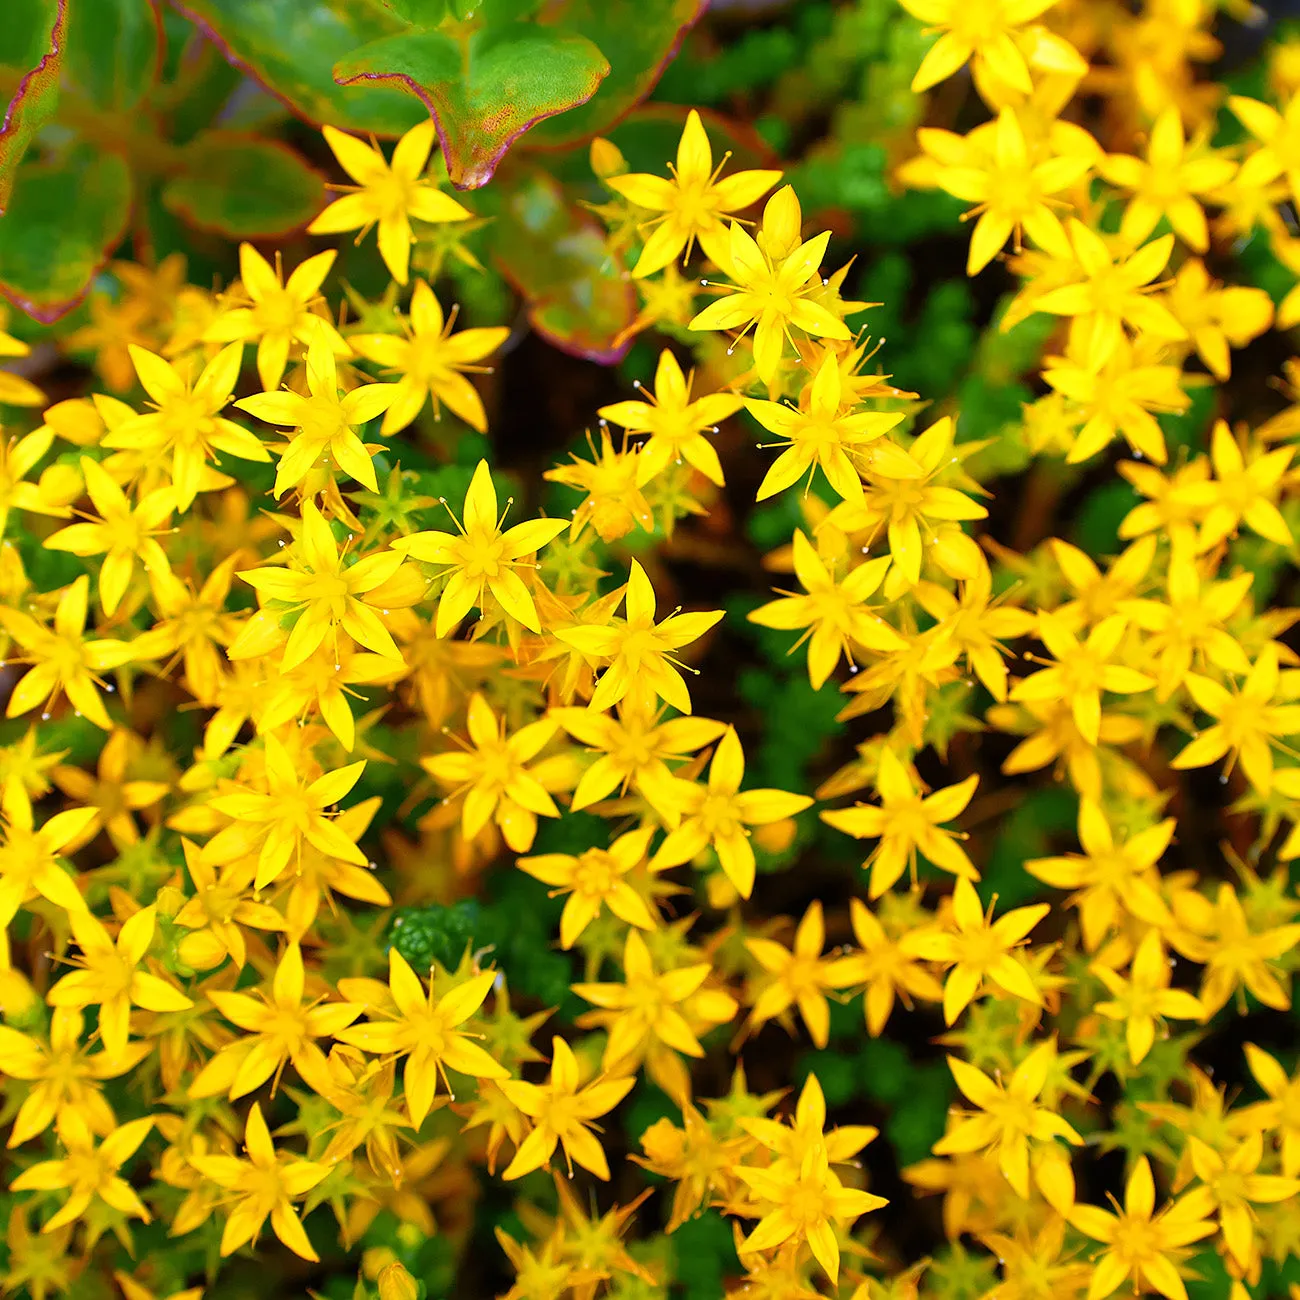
535,763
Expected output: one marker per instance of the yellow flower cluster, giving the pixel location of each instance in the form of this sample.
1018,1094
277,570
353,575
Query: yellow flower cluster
197,924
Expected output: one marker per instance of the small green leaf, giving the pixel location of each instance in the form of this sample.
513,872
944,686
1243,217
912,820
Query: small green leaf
291,46
65,220
638,37
244,187
554,254
486,94
32,37
115,50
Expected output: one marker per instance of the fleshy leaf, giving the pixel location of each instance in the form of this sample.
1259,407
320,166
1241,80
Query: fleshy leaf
225,187
554,253
639,38
291,46
115,50
32,38
65,219
483,96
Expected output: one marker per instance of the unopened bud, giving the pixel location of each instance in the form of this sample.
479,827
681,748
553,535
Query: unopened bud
19,1004
722,893
606,158
776,837
169,900
395,1283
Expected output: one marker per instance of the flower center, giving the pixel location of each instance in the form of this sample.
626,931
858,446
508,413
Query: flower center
597,873
481,553
277,313
323,419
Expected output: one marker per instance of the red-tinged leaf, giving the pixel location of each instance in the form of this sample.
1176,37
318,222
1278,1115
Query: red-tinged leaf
484,95
639,38
244,187
65,219
291,47
554,253
32,37
115,51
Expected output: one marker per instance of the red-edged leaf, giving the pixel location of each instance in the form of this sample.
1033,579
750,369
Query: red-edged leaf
639,38
32,37
554,253
486,94
65,219
244,187
291,46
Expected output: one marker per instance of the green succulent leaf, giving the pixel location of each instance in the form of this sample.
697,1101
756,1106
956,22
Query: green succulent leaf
554,253
114,54
32,38
486,92
65,219
639,38
299,68
224,187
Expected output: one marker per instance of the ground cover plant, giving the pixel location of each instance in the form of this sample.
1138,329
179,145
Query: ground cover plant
648,649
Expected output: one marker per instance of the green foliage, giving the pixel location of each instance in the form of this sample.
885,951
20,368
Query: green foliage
637,40
797,722
189,139
433,933
705,1253
65,218
1027,831
1096,526
301,71
756,58
484,91
516,925
222,187
554,254
31,44
158,137
114,53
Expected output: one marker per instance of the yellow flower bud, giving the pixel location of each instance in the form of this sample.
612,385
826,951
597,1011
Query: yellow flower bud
19,1004
606,158
395,1283
775,837
722,893
374,1259
170,900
